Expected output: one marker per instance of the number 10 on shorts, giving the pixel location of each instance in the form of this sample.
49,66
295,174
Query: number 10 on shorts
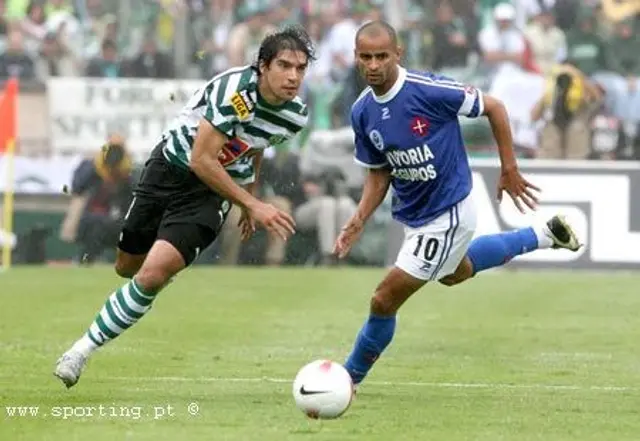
426,248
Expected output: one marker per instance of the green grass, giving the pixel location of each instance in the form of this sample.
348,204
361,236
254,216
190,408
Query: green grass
509,356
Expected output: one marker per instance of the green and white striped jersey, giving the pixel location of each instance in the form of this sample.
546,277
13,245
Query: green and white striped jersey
231,103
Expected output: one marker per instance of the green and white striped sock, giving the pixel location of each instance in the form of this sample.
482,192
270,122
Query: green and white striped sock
122,309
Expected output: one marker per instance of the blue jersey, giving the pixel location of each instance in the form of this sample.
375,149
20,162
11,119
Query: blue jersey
413,130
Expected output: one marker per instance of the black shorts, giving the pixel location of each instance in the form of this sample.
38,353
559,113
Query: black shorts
172,204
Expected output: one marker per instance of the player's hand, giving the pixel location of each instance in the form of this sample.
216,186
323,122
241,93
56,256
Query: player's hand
518,188
274,220
247,225
348,236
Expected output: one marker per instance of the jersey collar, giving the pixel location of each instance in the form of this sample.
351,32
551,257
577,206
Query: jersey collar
402,75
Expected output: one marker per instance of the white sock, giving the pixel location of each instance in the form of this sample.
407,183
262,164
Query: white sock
544,238
85,346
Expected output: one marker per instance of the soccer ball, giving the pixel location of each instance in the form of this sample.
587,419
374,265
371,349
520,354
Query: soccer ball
323,389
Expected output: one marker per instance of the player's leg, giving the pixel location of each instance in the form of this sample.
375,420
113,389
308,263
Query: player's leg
494,250
427,252
189,225
379,328
127,265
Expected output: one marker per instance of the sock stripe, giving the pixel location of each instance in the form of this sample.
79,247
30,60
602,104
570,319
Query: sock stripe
113,326
92,338
113,316
123,304
137,297
104,328
128,294
138,290
120,313
123,309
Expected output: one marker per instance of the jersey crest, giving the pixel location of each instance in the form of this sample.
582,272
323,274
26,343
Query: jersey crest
376,140
232,151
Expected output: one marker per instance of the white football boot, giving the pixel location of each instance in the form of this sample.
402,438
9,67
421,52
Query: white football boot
69,367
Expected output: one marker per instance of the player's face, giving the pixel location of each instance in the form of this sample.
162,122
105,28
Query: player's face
377,58
283,76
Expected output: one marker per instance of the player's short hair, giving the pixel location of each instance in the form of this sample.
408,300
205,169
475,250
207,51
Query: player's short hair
293,38
377,26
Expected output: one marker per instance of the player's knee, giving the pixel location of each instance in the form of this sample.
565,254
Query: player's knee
382,304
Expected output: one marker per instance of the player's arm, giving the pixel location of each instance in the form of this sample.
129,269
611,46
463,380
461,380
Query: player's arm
206,165
498,118
511,181
376,185
460,100
375,189
257,162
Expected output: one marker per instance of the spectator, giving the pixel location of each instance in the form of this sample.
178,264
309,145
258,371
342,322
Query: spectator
245,37
502,44
151,63
101,192
327,174
548,42
622,81
585,47
452,42
54,60
15,62
211,32
33,27
107,65
568,104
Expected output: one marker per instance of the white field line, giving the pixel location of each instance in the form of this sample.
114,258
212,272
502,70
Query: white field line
385,383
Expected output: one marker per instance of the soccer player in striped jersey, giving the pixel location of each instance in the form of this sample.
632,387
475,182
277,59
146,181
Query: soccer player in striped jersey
408,137
207,159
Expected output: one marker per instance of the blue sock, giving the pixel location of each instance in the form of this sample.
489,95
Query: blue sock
497,249
373,338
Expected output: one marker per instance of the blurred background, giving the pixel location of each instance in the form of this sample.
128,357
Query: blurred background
81,74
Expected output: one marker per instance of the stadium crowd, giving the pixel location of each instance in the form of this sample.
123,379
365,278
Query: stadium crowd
583,52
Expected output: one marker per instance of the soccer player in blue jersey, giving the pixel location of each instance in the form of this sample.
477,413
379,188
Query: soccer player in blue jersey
407,135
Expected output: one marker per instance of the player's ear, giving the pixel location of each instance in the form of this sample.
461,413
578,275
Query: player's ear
399,52
262,67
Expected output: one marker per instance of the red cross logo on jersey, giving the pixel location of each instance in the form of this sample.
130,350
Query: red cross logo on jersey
419,126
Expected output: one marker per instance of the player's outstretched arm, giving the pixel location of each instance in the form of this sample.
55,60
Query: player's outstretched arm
206,165
511,181
498,118
375,189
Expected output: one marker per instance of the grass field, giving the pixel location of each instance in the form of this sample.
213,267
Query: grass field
509,356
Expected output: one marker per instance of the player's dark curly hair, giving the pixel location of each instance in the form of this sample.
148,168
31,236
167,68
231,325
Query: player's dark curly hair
293,38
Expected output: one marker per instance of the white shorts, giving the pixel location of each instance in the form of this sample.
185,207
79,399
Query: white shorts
435,250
